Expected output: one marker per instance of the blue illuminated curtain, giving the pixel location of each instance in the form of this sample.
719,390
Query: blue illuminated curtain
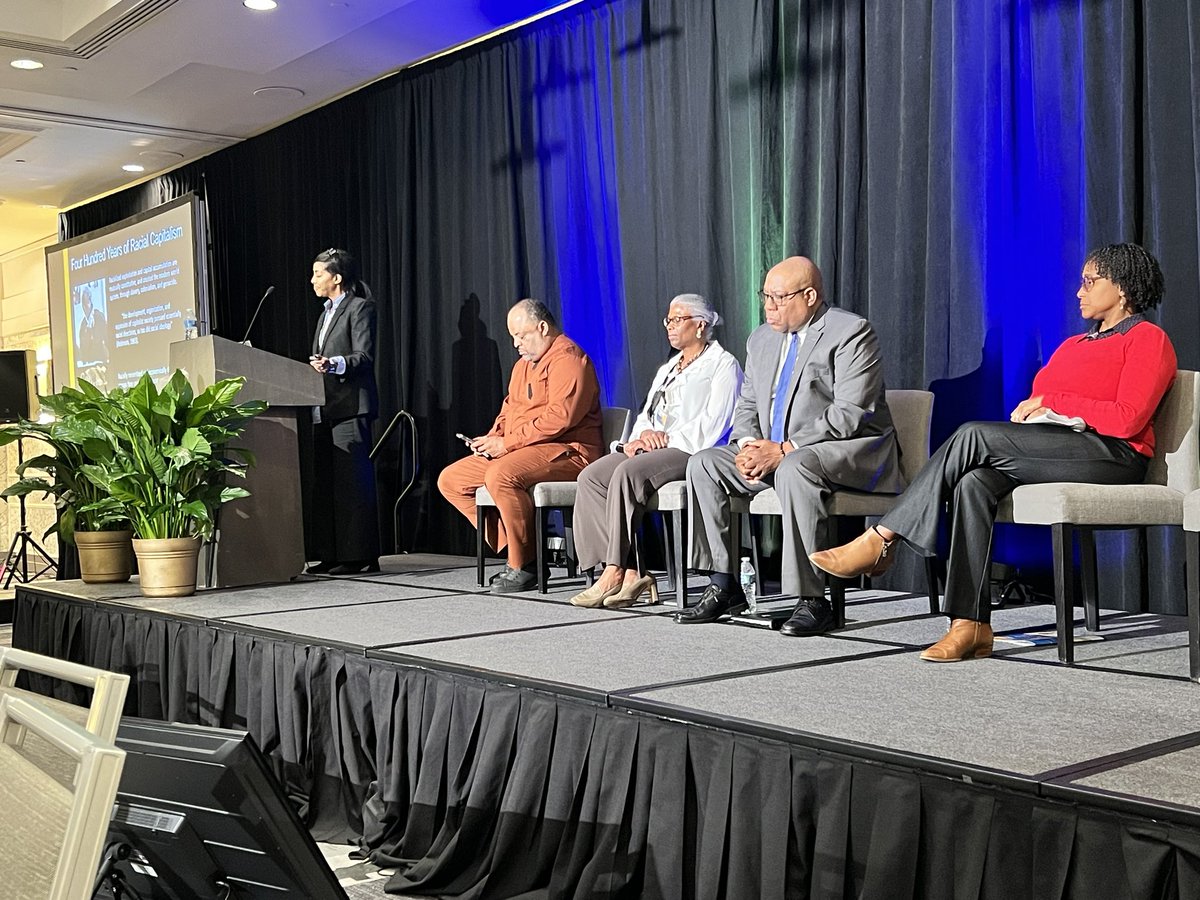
946,162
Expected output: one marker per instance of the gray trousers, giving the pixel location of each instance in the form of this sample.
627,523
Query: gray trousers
611,499
979,465
803,489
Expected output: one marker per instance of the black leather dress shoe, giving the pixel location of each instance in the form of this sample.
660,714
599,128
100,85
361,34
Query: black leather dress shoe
812,615
713,604
355,567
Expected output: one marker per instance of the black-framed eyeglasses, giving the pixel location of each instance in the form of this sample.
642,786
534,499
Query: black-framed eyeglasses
672,321
1087,282
777,300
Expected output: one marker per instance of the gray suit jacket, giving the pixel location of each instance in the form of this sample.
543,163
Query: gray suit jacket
836,405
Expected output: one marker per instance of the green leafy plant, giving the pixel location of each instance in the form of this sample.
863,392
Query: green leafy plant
76,438
170,454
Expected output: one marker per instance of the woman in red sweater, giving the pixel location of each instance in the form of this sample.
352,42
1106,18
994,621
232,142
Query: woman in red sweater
1109,381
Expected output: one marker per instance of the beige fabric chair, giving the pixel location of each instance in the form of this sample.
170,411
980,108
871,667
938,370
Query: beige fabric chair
912,412
52,834
1069,507
672,498
101,717
1191,533
108,689
549,495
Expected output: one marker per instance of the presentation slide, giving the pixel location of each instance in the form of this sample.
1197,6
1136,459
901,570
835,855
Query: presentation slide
121,296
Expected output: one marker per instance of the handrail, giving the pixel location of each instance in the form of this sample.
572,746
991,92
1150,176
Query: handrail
416,466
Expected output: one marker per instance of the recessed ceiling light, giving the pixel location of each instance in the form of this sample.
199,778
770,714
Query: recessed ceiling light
164,156
25,64
259,5
278,91
133,167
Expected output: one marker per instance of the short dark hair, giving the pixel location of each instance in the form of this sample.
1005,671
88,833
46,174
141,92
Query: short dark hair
1131,268
536,310
339,262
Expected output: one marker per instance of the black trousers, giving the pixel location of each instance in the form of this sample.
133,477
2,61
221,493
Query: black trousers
341,517
974,470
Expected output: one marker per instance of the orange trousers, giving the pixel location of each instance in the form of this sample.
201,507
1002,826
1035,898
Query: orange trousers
508,479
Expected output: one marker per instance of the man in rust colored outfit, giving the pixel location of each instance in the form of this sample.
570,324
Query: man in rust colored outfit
548,430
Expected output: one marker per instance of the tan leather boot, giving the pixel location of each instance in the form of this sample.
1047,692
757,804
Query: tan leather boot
867,554
966,639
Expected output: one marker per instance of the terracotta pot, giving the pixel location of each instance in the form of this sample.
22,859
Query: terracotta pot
104,556
167,566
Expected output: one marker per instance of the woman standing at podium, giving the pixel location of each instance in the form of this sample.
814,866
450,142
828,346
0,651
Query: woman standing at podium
342,527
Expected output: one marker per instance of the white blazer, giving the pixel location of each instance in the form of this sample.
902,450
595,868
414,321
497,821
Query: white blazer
696,409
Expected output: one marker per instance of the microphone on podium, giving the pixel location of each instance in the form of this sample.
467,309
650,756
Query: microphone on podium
254,318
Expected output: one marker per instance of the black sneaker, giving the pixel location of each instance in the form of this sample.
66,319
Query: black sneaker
512,581
812,615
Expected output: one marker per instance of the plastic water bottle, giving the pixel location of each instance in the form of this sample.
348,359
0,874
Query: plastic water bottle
191,330
749,583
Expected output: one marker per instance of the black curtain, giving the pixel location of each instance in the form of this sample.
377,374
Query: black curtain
473,789
947,164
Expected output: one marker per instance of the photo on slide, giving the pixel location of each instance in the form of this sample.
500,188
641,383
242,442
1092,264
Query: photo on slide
90,314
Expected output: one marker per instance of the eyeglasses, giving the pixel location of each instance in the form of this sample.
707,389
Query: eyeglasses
777,300
1088,282
672,321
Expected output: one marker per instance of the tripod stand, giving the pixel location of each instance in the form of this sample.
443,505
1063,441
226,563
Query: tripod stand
16,562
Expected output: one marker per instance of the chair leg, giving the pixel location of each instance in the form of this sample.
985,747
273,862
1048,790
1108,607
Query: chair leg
540,516
931,584
680,550
569,537
837,599
1192,540
668,549
1087,579
479,544
755,543
1064,591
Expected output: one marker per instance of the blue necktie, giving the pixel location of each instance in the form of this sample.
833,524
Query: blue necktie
779,415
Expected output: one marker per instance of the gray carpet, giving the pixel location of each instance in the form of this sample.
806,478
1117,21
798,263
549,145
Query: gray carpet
1151,644
907,621
616,655
995,713
299,595
1172,778
427,619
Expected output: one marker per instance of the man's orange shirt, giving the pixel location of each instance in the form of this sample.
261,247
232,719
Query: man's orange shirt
556,400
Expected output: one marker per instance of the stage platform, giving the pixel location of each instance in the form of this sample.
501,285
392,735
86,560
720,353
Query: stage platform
516,746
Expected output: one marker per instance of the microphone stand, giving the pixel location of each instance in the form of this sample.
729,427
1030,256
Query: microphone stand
257,310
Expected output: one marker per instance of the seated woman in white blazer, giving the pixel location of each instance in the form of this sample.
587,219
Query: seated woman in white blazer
689,407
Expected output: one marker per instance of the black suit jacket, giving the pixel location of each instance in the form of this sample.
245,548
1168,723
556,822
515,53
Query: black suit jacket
351,334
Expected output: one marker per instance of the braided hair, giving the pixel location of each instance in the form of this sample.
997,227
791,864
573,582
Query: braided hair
1131,268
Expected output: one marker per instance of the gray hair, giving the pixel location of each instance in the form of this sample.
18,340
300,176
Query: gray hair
535,310
700,308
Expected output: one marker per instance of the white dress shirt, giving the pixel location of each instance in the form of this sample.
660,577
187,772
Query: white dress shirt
696,408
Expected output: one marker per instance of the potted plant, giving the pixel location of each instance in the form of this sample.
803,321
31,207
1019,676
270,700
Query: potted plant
88,516
168,471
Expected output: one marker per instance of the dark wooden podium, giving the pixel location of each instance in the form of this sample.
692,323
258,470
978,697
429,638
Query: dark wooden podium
260,538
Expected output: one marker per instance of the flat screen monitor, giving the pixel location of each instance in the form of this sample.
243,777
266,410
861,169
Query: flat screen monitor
205,818
121,295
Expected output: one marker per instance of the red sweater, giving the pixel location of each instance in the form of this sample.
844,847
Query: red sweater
1113,383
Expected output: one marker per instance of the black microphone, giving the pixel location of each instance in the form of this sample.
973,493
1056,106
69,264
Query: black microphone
257,309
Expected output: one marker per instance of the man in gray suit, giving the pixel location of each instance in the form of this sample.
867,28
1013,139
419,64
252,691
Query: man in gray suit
811,417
